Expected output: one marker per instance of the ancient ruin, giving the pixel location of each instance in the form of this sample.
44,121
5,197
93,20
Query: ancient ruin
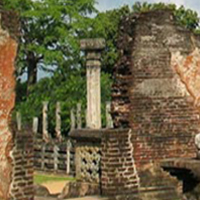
8,53
155,108
93,48
150,152
16,158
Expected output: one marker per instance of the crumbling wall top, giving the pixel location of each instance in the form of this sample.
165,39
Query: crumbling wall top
9,20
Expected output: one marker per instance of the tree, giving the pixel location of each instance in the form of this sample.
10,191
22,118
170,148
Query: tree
69,92
68,83
49,33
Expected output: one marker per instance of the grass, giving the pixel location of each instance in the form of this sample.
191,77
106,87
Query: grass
43,178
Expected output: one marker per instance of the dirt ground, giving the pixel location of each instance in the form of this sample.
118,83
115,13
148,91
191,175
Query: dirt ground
55,187
83,198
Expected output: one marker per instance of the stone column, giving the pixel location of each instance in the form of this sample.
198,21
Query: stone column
35,125
93,48
58,122
45,134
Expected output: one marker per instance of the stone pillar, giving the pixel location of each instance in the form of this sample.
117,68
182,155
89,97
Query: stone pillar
35,125
19,121
93,48
45,134
109,122
72,120
58,122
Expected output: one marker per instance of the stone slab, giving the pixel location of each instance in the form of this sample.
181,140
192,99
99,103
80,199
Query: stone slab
92,44
82,198
86,134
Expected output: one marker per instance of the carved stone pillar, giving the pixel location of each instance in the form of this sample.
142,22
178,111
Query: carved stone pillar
93,48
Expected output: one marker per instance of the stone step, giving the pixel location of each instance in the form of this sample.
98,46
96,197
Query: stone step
81,198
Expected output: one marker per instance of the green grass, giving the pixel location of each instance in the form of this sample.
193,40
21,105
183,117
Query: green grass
43,178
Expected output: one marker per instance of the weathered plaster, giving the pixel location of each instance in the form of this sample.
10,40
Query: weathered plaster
8,49
165,87
188,69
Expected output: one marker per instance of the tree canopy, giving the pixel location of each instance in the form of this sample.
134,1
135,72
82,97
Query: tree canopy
51,30
49,33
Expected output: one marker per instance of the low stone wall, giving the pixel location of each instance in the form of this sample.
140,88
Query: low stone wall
23,170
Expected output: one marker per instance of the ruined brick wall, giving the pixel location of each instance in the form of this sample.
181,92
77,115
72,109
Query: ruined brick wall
118,171
16,157
156,88
149,149
8,49
23,166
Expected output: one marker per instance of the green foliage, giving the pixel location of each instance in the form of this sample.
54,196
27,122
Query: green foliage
69,91
51,31
43,178
20,91
106,25
187,18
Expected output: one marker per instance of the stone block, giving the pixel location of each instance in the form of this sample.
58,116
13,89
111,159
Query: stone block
92,44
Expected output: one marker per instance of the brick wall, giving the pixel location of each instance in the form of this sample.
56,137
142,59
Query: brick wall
16,158
118,170
23,168
151,148
8,52
152,94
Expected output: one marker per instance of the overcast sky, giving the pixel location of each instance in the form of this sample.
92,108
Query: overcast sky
110,4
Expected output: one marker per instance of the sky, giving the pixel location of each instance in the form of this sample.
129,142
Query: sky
103,5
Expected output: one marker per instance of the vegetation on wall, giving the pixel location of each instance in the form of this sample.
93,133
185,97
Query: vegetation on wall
184,17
